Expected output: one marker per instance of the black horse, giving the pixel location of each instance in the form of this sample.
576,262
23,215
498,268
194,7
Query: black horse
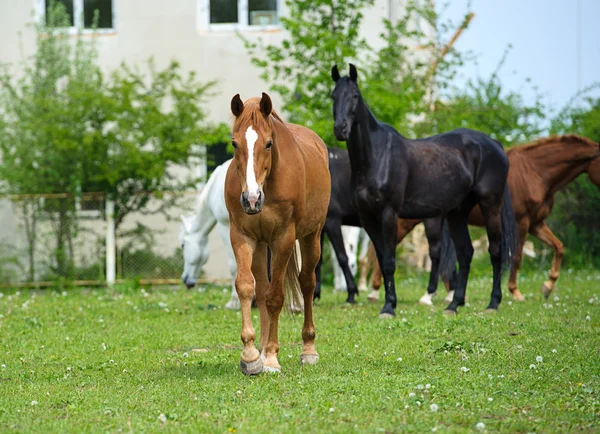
444,175
343,211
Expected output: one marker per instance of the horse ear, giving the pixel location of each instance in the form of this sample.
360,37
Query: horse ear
185,224
237,105
353,73
266,106
335,74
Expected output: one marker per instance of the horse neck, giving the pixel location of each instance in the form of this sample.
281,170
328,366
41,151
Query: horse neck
560,164
205,219
360,147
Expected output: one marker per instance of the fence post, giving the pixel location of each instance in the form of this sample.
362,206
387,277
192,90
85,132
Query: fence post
110,242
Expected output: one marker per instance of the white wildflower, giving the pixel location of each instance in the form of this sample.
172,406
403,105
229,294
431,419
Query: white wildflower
539,359
34,403
532,366
464,369
434,407
162,418
480,426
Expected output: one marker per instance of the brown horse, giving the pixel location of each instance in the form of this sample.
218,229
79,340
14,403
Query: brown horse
537,171
276,191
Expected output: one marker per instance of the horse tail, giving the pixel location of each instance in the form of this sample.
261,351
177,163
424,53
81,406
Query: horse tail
510,233
294,300
447,267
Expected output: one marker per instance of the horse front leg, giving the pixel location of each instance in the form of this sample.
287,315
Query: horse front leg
281,251
383,232
459,230
542,232
243,249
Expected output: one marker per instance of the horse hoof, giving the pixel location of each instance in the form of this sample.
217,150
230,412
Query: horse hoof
252,368
386,315
517,296
271,370
449,297
426,300
546,289
309,359
373,297
351,301
449,312
490,310
233,304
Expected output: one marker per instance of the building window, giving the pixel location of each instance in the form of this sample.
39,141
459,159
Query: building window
215,156
82,13
231,15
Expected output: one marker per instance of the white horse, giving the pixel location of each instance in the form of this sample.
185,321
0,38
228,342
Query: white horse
194,231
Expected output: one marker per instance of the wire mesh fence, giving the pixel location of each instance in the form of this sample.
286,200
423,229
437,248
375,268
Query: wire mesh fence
49,239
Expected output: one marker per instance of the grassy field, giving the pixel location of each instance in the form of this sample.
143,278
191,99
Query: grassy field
155,360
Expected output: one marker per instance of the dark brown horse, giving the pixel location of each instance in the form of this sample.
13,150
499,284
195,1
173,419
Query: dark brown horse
276,190
537,171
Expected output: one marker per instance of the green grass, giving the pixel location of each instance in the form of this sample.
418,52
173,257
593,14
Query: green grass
111,361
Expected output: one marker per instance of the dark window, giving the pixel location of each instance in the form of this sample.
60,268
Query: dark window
223,11
215,156
262,12
69,9
105,12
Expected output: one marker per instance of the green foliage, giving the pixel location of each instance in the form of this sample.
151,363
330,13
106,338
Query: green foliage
98,360
575,215
407,82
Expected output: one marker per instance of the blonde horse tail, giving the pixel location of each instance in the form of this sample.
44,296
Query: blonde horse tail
294,300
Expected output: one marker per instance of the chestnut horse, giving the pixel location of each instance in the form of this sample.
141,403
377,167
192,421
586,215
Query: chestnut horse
537,171
276,191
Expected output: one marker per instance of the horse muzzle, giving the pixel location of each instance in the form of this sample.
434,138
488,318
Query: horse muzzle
341,131
252,203
188,282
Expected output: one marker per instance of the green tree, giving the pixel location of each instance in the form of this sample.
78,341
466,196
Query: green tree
68,128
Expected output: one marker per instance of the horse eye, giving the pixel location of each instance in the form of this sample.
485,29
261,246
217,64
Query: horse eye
234,144
269,143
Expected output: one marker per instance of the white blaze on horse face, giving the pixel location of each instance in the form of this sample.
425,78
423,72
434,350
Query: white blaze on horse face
251,184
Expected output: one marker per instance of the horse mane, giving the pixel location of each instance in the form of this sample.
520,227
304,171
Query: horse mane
539,143
252,115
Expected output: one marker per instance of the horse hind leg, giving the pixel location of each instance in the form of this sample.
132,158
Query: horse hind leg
542,232
310,249
512,279
464,252
334,231
261,283
491,210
